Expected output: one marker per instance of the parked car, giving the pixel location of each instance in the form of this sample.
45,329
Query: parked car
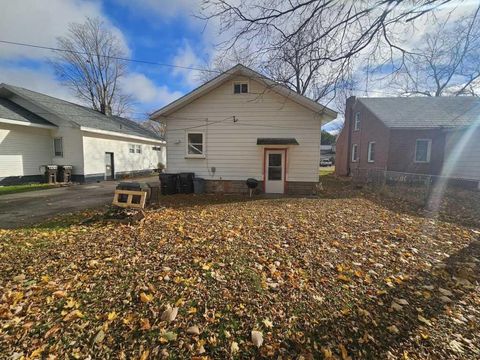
326,162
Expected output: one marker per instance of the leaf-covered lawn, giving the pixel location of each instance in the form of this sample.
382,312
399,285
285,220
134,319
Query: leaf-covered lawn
219,277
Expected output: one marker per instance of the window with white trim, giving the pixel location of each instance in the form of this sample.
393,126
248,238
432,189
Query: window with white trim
356,125
138,149
371,151
131,148
240,87
354,153
422,150
195,144
58,146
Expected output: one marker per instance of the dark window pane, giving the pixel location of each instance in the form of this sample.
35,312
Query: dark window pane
236,89
274,159
422,150
244,88
195,138
274,173
372,151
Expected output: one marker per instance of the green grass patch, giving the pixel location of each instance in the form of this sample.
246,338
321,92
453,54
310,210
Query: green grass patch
13,189
323,171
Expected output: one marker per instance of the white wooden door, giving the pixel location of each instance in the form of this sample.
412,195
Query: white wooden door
275,171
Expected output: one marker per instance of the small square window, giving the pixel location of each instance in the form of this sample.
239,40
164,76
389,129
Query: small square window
58,146
131,148
240,88
138,149
195,145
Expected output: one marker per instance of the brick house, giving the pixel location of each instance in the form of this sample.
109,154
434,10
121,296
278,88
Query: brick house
418,135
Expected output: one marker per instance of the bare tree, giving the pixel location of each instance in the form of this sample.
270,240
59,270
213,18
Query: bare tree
90,64
324,33
155,126
448,63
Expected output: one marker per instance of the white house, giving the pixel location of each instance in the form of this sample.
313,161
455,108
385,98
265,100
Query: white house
37,129
243,125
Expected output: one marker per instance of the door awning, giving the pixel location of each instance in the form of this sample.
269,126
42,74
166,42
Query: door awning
277,141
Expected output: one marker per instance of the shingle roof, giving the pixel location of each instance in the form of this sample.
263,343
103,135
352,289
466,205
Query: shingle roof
11,111
83,116
425,112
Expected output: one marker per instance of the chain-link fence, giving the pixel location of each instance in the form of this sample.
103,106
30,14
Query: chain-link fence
457,197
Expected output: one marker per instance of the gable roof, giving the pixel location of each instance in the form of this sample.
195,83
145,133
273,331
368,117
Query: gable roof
425,112
240,69
82,116
11,111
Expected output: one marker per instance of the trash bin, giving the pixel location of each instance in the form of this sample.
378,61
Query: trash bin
185,182
199,185
64,173
51,174
168,184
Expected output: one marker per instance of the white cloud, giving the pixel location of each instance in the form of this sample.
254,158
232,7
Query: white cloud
38,22
187,58
144,91
41,80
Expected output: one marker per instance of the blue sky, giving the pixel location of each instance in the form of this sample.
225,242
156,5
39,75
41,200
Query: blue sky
163,31
152,30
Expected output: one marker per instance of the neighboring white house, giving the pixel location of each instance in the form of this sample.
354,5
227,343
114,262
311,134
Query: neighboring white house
37,129
242,125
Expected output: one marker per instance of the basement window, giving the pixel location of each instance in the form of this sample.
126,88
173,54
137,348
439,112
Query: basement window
240,88
58,146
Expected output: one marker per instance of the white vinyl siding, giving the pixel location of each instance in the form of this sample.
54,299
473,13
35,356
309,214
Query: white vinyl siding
231,146
462,155
96,145
23,149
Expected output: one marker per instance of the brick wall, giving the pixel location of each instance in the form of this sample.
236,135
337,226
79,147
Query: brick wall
402,151
371,130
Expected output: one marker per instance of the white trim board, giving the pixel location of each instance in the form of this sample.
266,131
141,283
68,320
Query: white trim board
25,123
114,133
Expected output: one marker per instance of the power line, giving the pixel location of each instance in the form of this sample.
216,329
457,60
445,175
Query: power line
109,57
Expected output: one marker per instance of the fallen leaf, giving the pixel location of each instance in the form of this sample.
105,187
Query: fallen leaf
193,330
99,337
169,314
73,315
146,298
234,347
257,338
425,321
